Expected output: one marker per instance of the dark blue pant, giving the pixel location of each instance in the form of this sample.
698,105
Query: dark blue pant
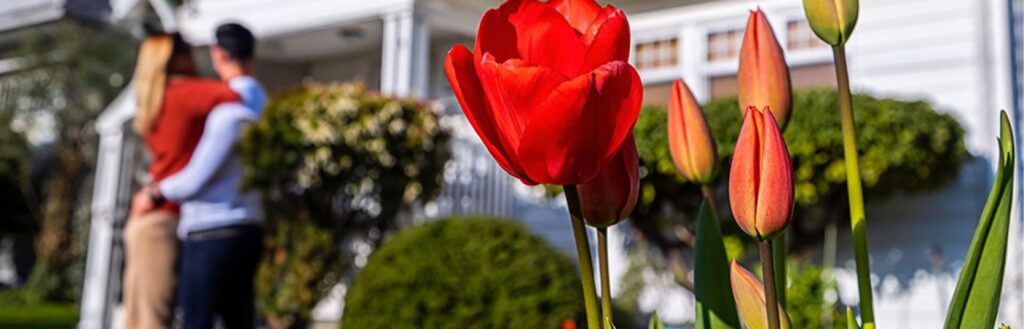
216,278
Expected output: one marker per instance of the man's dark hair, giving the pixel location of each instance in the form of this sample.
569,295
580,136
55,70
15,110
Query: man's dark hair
236,40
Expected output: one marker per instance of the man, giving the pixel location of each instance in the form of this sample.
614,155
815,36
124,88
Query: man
220,224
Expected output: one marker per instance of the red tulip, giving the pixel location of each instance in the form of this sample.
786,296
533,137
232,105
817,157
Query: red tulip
611,195
763,78
689,138
548,87
761,178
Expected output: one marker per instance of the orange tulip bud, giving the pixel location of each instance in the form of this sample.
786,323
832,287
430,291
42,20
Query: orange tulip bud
832,20
748,292
689,138
611,196
763,78
761,178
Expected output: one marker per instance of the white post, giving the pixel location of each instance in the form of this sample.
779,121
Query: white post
110,190
405,54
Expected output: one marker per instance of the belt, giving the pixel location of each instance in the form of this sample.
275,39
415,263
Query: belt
223,232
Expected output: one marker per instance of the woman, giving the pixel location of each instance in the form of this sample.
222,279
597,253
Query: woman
172,107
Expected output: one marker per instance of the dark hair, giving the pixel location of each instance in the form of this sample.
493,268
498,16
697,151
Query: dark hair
236,40
181,61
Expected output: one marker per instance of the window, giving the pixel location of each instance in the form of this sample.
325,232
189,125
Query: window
724,45
800,36
657,54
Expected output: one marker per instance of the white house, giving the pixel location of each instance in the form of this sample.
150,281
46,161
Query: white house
963,56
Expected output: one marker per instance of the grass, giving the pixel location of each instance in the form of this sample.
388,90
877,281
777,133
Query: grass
39,316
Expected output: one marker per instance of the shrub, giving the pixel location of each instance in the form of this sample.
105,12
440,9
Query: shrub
905,146
464,273
336,164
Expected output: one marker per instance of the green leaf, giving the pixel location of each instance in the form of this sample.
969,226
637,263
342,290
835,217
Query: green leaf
851,320
716,308
976,300
655,322
608,324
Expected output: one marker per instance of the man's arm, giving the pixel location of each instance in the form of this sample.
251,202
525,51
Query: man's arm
222,130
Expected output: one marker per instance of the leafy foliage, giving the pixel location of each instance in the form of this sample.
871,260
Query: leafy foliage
464,273
975,302
337,165
905,146
72,71
805,298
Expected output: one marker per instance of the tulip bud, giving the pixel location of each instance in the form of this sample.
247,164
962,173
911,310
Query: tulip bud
689,138
832,20
611,196
761,178
763,77
748,292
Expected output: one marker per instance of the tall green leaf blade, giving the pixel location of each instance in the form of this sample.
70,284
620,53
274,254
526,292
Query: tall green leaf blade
851,320
716,308
655,322
975,302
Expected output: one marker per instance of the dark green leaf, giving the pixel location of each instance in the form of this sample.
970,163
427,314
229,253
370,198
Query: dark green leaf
976,299
715,306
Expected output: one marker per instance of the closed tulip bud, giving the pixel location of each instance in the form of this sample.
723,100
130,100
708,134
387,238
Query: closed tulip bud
832,20
689,138
748,292
610,196
763,77
761,178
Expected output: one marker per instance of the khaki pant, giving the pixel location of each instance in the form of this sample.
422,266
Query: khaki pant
150,251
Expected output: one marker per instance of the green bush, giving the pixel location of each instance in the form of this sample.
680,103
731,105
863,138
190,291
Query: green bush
335,163
805,299
464,273
905,146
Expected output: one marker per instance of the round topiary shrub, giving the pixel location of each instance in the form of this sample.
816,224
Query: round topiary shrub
464,273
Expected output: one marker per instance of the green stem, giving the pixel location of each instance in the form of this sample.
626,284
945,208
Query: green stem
771,303
579,232
779,255
709,195
856,195
606,290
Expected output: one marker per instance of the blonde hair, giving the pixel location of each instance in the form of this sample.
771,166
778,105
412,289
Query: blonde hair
151,79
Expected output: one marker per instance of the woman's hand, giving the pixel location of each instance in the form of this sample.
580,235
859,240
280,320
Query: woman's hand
142,203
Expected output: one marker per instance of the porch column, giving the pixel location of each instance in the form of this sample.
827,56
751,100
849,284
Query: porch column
405,51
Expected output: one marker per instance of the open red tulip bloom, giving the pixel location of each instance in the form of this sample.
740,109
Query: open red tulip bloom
548,87
761,178
611,196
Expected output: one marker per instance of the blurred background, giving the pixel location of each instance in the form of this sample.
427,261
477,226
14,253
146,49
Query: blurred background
932,77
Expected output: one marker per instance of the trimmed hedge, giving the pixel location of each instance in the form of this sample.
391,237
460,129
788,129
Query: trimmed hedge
464,273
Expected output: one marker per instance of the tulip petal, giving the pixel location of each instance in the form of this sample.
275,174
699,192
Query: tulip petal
579,13
743,176
690,142
607,39
514,90
468,90
546,38
496,35
748,292
581,125
763,77
611,196
775,194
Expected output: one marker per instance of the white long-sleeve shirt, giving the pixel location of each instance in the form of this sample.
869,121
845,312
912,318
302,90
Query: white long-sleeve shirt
208,188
